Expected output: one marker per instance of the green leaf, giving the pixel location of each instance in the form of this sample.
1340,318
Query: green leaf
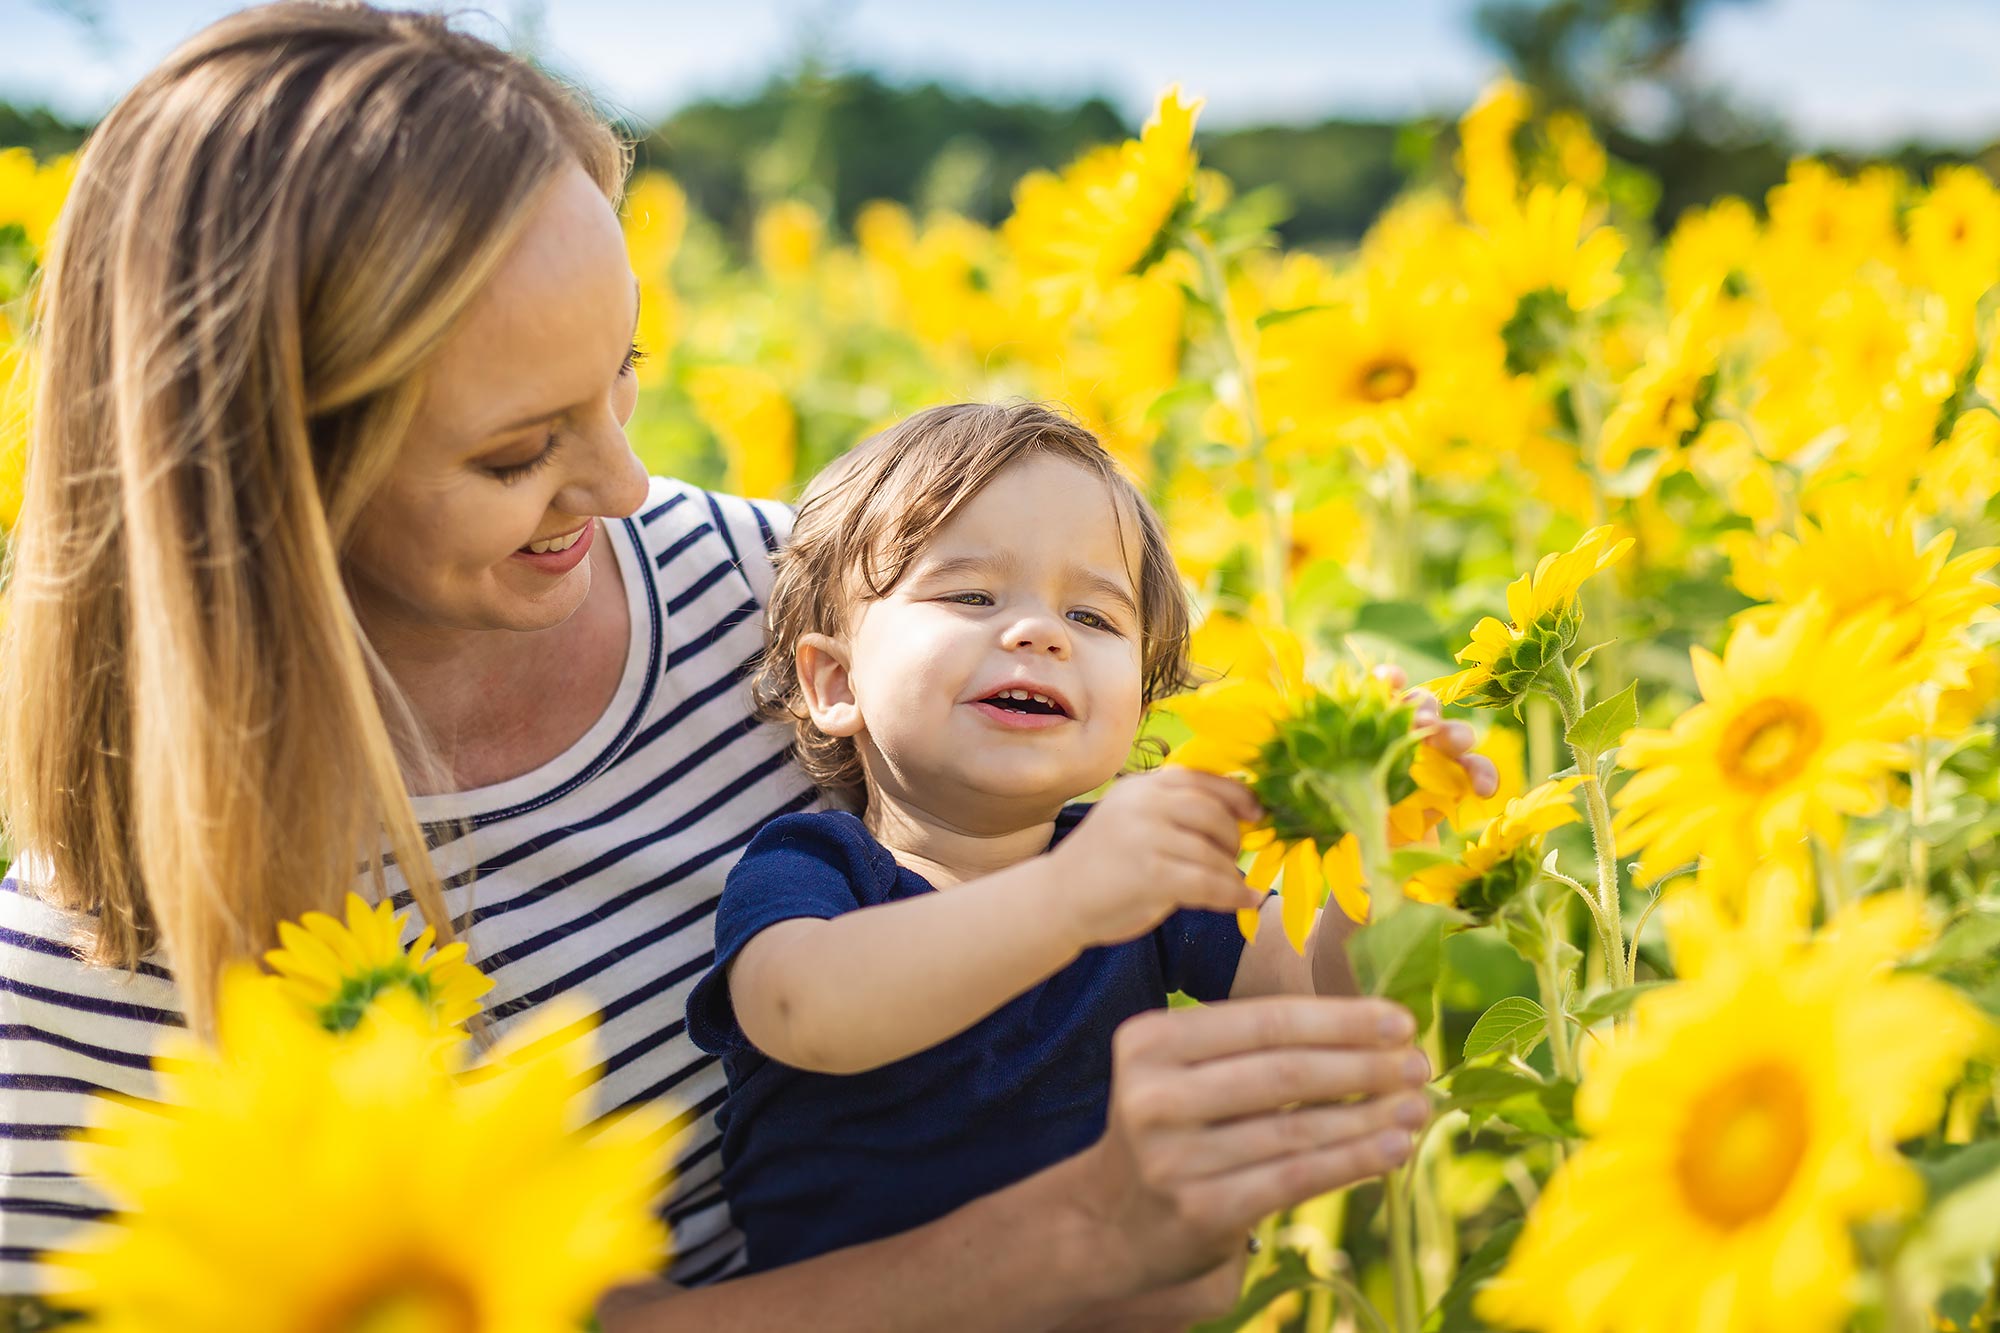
1955,1242
1289,1272
1972,938
1270,317
1612,1003
1454,1312
1488,1085
1582,659
1397,957
1605,721
1548,1112
1516,1025
1952,1169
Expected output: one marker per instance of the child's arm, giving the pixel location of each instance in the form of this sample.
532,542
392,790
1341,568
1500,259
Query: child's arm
1270,966
871,987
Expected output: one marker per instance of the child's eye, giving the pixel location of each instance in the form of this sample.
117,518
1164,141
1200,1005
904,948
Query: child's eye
634,358
969,598
1091,620
513,472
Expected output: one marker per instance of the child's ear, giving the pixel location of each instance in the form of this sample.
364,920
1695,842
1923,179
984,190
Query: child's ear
822,663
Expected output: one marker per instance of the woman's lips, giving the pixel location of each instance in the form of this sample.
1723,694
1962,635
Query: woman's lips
559,562
1014,721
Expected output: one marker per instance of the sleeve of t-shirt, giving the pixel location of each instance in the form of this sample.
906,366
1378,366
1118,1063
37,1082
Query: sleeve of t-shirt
753,530
797,866
1199,952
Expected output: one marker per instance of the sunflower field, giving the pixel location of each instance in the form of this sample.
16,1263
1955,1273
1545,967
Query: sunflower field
1699,529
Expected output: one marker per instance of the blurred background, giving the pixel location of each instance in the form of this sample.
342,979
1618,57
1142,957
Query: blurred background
1332,107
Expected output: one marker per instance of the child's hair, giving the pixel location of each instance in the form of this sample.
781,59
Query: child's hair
867,516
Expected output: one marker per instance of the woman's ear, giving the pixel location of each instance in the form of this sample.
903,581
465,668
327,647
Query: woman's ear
825,682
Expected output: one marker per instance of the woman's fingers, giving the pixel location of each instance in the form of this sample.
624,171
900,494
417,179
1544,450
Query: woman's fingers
1264,1138
1239,1199
1265,1081
1270,1023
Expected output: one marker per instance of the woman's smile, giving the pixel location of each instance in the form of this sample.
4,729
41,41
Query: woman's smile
558,555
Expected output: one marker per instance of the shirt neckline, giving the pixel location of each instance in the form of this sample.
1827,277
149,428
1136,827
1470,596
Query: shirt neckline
591,753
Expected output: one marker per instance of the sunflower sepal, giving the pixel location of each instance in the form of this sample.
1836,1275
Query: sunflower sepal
1398,953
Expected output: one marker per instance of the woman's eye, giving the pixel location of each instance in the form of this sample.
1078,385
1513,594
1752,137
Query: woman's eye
512,472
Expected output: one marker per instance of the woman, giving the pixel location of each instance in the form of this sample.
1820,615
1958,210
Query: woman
333,540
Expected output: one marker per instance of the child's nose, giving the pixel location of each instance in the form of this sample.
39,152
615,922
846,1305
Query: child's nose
1040,634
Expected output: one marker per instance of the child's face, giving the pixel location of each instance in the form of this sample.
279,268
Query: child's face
1028,587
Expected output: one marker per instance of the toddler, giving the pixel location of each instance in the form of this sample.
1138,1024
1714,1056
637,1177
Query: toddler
913,996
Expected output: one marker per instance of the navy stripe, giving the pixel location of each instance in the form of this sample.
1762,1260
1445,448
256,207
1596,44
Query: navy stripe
667,1084
709,1272
103,1054
764,530
664,508
542,841
700,585
707,1195
38,1132
50,1208
605,860
666,557
47,1083
19,1254
706,640
143,1013
695,700
722,797
57,948
722,531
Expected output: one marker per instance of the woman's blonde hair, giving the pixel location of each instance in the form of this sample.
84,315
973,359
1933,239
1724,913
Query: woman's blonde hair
266,241
867,517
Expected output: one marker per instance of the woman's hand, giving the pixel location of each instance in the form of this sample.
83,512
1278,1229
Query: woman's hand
1222,1115
1454,740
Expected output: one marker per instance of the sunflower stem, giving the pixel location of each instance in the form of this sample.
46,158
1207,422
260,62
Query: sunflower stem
1402,1248
1273,507
1563,687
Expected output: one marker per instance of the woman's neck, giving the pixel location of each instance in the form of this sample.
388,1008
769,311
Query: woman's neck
946,851
494,704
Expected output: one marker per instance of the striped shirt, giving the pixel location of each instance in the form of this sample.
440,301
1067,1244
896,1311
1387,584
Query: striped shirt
593,878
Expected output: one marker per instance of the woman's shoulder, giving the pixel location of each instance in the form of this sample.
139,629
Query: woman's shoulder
53,994
694,537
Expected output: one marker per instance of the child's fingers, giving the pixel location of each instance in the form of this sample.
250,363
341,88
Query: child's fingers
1234,796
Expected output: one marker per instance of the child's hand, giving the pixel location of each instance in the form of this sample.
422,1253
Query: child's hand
1155,843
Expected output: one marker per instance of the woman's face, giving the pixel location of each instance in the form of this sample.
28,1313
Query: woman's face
519,441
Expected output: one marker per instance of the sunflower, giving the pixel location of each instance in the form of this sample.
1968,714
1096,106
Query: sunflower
16,371
1326,765
1857,559
1955,235
1507,658
1486,149
754,423
1109,211
1551,243
1506,855
1746,1120
305,1181
336,972
1801,719
1385,370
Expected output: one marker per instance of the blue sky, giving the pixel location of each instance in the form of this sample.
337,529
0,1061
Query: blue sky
1858,73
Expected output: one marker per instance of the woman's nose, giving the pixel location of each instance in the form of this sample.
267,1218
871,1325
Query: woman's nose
608,479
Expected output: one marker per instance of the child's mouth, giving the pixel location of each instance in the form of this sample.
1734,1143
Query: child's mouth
1022,709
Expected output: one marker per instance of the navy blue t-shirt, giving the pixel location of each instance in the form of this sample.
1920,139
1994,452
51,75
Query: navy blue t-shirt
813,1162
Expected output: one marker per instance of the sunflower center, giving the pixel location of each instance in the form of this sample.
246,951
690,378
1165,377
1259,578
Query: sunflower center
414,1300
1768,743
1742,1145
1386,379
